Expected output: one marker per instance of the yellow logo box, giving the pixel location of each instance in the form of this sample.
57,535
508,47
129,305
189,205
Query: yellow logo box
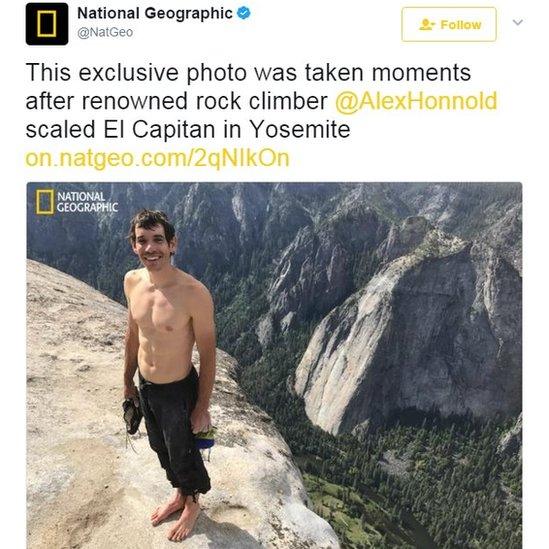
41,15
45,201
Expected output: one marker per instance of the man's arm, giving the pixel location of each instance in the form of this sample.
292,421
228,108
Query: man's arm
131,347
204,334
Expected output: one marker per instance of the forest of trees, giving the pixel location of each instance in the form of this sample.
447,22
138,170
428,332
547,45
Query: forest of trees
456,484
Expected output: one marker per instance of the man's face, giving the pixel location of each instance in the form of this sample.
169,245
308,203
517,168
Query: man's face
152,247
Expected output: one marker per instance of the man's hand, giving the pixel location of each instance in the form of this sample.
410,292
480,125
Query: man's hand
130,391
200,420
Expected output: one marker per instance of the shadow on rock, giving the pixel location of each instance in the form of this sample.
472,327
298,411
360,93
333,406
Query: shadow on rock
221,535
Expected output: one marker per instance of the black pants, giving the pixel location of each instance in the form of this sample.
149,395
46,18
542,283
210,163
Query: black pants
167,411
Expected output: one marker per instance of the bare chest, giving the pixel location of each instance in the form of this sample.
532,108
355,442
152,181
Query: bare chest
159,311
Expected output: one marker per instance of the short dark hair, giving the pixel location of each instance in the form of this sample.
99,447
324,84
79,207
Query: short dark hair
147,219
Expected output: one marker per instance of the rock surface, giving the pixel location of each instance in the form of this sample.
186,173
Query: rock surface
86,489
511,441
439,327
315,272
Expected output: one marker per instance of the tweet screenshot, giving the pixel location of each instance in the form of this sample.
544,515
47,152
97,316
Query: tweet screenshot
270,283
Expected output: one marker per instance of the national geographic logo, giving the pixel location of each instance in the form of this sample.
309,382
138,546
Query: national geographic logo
45,202
47,24
49,202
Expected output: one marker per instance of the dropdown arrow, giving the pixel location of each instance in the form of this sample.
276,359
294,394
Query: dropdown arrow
517,23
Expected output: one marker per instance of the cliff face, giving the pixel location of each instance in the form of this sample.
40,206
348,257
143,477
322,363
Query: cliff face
438,327
86,489
317,270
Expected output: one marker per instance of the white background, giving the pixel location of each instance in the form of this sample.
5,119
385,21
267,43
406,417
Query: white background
507,145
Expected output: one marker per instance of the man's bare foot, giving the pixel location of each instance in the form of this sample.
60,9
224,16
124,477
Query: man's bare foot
176,502
185,524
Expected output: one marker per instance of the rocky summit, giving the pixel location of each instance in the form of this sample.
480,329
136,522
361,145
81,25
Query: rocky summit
85,488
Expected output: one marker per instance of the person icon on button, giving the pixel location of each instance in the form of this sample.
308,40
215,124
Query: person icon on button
426,25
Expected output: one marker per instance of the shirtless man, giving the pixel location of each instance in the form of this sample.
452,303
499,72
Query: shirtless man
168,311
